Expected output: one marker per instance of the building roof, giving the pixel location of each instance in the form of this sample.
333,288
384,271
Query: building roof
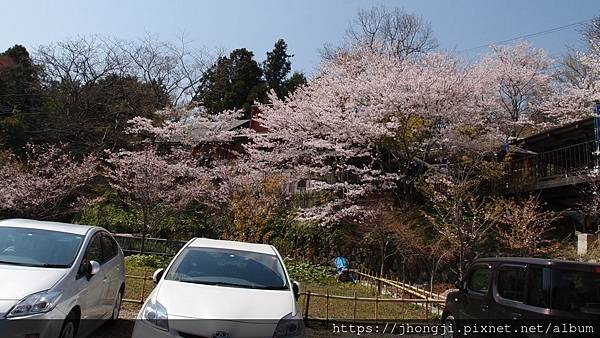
537,261
569,134
231,245
43,225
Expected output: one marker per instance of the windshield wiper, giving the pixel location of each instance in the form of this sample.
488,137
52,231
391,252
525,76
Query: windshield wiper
51,266
273,287
217,283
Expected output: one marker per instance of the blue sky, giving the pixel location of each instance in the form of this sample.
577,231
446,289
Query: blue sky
305,24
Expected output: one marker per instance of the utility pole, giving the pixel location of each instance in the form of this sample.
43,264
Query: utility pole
597,136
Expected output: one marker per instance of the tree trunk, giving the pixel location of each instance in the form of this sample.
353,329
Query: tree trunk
381,269
144,233
143,247
431,281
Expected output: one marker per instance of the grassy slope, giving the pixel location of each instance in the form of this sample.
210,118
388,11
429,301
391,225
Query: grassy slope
344,309
321,281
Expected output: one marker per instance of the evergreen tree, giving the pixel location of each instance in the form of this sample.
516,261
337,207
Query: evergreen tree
294,82
233,82
20,98
277,66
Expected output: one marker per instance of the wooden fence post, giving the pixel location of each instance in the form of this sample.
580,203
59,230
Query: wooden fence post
354,312
376,307
143,293
306,306
327,305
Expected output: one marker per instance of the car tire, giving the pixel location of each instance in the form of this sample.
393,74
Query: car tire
450,327
69,327
116,308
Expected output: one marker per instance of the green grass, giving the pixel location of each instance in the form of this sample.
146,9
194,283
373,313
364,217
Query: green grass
134,287
343,309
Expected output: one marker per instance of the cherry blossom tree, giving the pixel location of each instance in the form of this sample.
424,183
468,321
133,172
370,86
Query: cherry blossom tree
523,227
392,31
188,126
175,165
574,100
155,184
458,215
515,80
47,183
365,120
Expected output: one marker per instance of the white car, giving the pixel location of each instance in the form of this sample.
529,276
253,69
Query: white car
215,288
57,280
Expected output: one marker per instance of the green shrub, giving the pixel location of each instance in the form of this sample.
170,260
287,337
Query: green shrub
307,272
112,217
151,261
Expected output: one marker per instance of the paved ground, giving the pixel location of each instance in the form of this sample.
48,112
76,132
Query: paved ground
124,328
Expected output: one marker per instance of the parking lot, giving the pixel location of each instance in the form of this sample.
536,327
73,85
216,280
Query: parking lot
124,328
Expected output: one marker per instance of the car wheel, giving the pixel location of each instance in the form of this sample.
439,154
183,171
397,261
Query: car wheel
116,308
69,328
450,327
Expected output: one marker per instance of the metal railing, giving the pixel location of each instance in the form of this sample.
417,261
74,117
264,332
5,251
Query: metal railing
132,244
574,160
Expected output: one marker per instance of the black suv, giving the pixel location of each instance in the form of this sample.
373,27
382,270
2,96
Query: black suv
512,289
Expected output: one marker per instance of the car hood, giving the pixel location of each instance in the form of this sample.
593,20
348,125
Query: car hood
5,306
189,300
17,282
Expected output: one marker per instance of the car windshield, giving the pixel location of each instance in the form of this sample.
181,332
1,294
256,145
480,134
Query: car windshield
38,248
576,291
230,268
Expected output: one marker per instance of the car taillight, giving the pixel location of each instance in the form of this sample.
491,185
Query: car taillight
597,269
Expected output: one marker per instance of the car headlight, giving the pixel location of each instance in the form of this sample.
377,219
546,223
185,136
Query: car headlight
156,315
40,302
289,326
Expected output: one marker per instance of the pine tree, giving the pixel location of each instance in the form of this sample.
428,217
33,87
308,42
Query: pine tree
233,82
277,66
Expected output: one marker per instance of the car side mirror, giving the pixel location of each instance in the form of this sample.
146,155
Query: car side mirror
93,268
157,276
296,289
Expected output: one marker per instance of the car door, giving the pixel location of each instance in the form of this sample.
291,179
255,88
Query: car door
477,292
509,291
112,267
537,292
92,288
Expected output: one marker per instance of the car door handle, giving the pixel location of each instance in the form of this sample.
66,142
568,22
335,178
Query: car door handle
484,307
517,316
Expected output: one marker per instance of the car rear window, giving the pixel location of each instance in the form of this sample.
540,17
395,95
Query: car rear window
576,291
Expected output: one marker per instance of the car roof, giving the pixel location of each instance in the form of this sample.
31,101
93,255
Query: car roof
536,261
44,225
231,245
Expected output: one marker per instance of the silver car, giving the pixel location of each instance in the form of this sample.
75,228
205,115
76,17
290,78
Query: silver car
57,280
